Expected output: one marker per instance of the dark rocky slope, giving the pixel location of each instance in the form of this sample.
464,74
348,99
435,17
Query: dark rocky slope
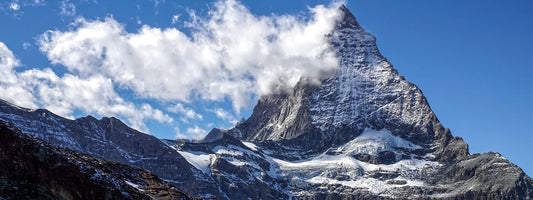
34,169
110,139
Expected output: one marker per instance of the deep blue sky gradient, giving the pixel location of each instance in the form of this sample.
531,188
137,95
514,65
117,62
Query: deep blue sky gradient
472,59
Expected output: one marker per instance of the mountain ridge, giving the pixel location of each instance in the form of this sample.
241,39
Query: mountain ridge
35,169
110,139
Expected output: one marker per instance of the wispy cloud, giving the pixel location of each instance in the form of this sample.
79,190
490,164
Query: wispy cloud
11,87
63,94
175,19
38,2
187,113
224,115
192,133
67,8
14,6
19,4
26,45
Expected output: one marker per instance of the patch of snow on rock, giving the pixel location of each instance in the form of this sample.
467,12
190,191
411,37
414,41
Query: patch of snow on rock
250,145
198,159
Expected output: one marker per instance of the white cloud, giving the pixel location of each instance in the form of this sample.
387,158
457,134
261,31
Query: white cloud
224,115
158,2
62,95
67,8
17,6
14,6
230,54
175,19
179,134
11,88
155,114
95,94
38,2
26,45
195,132
188,113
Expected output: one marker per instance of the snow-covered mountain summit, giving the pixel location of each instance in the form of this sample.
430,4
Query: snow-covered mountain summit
366,132
365,92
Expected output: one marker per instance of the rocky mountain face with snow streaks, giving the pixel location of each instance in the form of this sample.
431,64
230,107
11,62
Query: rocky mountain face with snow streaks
110,139
34,169
364,132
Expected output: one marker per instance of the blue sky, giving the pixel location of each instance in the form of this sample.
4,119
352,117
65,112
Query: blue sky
471,59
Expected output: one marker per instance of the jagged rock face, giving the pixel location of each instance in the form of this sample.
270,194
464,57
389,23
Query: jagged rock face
33,169
111,139
484,176
365,92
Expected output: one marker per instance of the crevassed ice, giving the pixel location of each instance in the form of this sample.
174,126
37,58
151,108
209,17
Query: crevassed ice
315,170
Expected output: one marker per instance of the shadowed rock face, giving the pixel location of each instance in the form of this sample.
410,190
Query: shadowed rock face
33,169
110,139
362,133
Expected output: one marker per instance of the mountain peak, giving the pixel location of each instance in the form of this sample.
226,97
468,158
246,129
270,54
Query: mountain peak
365,92
348,19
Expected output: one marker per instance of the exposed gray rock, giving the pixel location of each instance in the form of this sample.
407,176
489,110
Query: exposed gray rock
484,176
